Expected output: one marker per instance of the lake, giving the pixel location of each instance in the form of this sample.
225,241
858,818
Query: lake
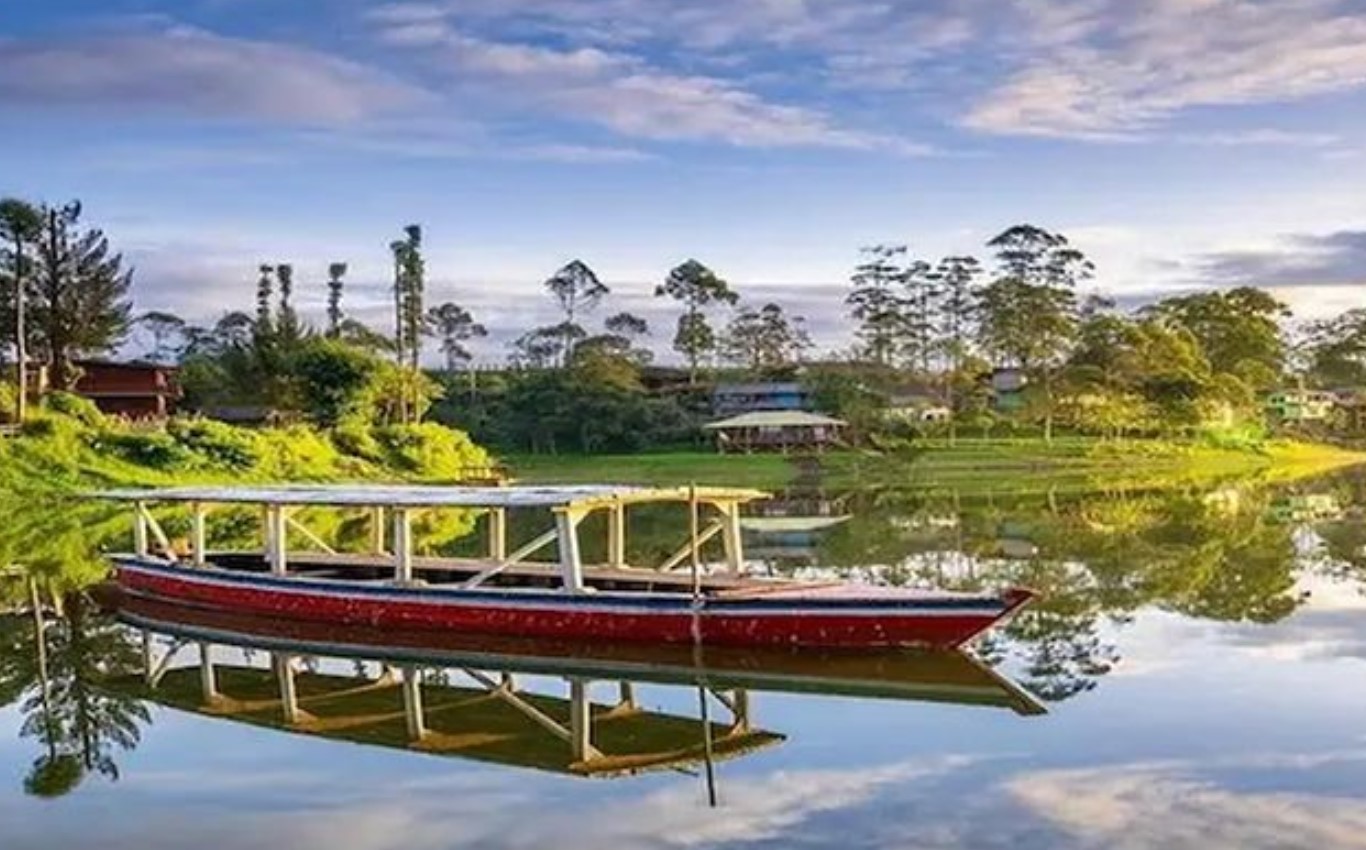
1192,677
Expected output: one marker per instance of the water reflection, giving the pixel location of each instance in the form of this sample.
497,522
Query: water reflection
84,680
1200,649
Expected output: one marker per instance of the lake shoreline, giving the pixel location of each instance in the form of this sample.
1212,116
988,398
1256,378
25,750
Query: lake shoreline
970,464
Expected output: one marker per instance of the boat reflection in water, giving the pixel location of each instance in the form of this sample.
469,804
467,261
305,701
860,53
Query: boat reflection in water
511,701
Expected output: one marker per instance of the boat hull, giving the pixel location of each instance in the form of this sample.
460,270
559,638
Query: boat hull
844,621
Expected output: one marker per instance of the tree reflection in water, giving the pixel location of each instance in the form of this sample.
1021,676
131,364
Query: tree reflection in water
53,665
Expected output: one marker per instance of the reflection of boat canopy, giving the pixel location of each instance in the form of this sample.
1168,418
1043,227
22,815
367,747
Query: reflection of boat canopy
492,719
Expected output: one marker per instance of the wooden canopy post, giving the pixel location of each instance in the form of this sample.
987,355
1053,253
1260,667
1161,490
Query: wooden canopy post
199,535
412,704
567,521
208,679
140,547
277,540
498,534
616,535
403,546
730,537
289,694
377,530
580,721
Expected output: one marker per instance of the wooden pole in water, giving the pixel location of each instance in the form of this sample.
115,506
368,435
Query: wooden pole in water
709,759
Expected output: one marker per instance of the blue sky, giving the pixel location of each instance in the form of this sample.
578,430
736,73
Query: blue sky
1181,143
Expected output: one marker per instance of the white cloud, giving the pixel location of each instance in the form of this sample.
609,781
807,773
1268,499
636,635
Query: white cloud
1171,806
620,90
486,809
191,72
1113,69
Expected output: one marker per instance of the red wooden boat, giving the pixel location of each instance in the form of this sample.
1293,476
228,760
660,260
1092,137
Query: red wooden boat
505,593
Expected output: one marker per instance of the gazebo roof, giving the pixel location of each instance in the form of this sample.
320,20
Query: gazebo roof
775,419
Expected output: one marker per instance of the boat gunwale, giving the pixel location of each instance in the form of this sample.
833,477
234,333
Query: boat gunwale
676,601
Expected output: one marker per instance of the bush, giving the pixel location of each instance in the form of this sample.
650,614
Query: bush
153,449
353,436
83,410
9,408
299,452
218,443
430,450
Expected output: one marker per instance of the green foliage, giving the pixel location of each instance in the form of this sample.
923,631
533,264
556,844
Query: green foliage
9,403
430,451
151,449
1239,329
220,444
336,380
83,410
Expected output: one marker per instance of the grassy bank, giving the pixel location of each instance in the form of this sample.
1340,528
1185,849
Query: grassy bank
970,464
69,446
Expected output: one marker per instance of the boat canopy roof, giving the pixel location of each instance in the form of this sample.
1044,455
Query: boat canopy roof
432,496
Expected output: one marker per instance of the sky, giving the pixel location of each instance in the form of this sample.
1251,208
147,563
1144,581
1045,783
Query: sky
1182,144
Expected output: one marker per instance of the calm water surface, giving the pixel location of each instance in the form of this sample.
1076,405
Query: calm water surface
1201,655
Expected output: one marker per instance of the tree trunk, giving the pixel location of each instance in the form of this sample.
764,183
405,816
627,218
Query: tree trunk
1048,405
20,332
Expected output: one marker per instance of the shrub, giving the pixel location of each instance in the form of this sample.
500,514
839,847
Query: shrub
83,410
220,444
299,452
9,408
353,436
429,450
153,449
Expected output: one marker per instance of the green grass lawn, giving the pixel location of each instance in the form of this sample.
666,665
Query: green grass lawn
970,464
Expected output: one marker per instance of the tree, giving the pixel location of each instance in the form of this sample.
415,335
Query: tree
21,224
622,332
539,348
1029,311
80,293
335,284
578,290
288,330
923,294
1238,328
957,278
165,328
876,304
765,339
1335,350
409,285
696,287
454,326
265,311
